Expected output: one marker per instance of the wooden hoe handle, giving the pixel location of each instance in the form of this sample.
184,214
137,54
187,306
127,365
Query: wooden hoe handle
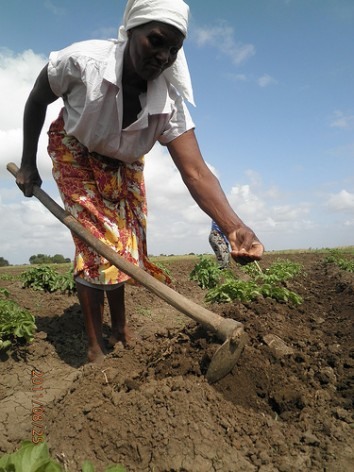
223,327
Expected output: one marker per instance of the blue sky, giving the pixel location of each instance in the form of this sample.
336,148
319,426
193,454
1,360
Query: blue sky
273,83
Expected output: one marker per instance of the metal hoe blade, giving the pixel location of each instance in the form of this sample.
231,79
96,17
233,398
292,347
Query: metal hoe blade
226,356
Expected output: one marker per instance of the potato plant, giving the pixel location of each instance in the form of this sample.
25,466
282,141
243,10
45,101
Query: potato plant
280,271
45,278
336,257
224,286
16,324
36,458
206,273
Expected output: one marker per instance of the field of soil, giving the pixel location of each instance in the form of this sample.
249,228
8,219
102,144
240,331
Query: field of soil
150,407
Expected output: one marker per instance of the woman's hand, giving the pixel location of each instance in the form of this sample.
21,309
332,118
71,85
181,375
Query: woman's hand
245,246
27,177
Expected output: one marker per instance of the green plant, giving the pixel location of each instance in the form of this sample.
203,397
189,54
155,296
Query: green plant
233,290
36,458
346,265
7,277
206,273
279,271
88,467
29,458
4,292
68,283
279,293
15,324
47,279
336,257
267,283
333,256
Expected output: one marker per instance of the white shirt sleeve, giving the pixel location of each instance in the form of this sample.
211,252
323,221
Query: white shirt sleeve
180,122
63,71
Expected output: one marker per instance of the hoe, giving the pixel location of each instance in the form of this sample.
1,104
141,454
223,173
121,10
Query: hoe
229,331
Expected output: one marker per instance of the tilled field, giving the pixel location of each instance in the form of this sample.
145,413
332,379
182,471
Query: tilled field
150,408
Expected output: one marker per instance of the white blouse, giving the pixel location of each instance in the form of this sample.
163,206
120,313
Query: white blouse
87,75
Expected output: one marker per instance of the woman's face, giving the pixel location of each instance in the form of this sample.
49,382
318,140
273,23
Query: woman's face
152,48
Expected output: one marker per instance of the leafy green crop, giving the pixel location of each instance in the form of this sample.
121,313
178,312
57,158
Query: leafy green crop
346,265
233,290
7,277
88,467
29,458
280,294
336,257
15,324
36,458
47,279
279,271
4,291
224,286
206,273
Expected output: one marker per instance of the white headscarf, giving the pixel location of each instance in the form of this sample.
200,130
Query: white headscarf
172,12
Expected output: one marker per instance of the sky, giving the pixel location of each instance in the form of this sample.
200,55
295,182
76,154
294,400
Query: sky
273,85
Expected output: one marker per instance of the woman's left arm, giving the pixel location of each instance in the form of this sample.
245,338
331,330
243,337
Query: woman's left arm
208,194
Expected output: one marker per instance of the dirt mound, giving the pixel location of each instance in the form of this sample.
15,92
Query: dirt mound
286,406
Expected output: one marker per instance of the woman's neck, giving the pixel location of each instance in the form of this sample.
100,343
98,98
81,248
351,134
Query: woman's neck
130,78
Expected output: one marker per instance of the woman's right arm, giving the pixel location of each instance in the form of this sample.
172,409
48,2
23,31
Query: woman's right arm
34,115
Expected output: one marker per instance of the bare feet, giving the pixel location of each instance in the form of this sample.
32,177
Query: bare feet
123,336
96,355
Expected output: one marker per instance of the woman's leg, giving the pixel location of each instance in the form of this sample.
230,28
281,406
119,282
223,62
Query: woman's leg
92,305
120,332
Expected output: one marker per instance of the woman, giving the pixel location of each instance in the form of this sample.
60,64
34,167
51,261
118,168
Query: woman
120,97
220,245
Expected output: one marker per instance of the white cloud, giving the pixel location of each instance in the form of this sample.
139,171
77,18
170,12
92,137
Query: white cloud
342,201
222,38
289,213
273,193
254,177
265,80
10,140
172,213
28,228
342,120
248,204
18,73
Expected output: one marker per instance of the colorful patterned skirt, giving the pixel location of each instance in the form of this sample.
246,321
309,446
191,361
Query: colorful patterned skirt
108,198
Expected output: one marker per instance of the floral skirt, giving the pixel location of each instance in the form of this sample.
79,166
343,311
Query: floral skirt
108,198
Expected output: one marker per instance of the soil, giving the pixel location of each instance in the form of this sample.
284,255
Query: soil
150,407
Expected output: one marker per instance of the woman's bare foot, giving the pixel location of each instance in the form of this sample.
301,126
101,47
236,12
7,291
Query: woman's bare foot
123,336
96,355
